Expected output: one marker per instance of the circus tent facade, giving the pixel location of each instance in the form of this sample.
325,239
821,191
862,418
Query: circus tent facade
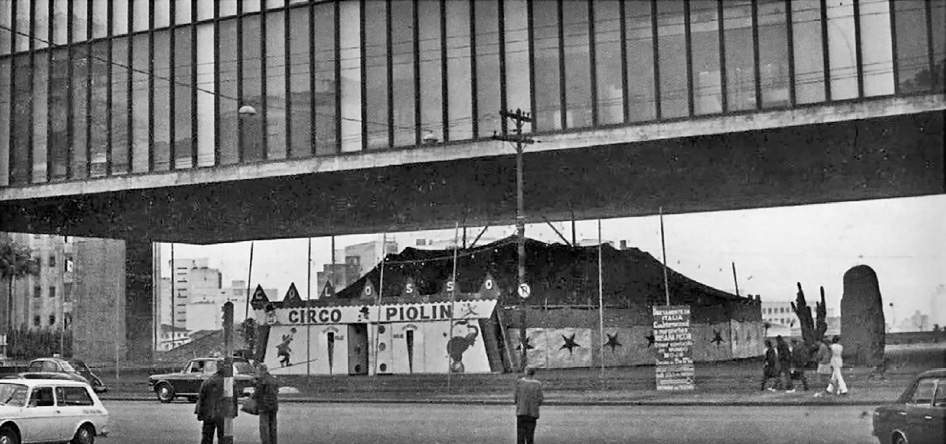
415,318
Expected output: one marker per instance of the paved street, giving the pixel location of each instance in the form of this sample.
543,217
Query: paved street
150,422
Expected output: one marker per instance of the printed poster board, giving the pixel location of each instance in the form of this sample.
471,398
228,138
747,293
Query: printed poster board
673,342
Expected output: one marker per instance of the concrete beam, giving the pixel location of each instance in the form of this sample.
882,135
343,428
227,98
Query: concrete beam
702,126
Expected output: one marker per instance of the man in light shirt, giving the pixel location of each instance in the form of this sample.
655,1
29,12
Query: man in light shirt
528,399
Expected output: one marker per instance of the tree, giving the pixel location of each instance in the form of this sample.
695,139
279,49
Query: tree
16,261
811,331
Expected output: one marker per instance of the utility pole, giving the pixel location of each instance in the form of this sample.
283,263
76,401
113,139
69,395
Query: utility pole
227,364
523,289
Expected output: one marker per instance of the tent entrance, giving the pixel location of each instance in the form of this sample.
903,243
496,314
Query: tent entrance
357,349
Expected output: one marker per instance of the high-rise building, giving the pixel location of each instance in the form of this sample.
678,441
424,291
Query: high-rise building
43,301
356,260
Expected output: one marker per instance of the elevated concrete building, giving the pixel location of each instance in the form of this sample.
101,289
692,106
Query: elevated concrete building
120,119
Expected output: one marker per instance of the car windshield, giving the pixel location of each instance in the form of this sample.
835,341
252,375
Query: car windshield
243,368
12,394
67,367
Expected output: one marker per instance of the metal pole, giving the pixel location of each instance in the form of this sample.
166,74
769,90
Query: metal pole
308,325
249,278
227,400
600,300
173,293
663,247
453,308
734,280
521,247
377,335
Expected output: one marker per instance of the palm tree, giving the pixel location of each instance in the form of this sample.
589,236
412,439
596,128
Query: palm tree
16,261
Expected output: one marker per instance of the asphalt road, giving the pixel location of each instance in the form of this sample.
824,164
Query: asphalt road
151,422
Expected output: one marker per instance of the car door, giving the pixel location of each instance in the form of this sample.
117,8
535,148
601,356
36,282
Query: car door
936,419
43,421
919,410
74,404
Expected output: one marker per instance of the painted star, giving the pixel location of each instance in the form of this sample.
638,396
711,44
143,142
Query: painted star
612,342
527,344
569,343
718,338
650,340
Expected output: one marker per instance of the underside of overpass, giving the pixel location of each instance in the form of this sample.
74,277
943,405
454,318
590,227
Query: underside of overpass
892,156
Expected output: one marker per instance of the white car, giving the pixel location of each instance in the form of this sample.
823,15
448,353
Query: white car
50,410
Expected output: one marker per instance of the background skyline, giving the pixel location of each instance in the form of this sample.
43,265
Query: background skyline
902,239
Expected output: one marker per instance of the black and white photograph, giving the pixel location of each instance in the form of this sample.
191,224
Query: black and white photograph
473,221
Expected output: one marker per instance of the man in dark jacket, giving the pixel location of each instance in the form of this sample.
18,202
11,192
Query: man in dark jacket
210,408
770,367
528,399
785,363
267,403
800,357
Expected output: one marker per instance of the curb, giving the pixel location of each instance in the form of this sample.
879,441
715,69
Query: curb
616,403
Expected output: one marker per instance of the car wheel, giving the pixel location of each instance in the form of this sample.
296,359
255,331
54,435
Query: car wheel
899,439
84,435
8,436
165,392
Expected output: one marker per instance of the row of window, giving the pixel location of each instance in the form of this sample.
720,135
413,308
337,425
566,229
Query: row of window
48,21
350,76
771,310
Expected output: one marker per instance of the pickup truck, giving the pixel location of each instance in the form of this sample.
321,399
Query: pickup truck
186,383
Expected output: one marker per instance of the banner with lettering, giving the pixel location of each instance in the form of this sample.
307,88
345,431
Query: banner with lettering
673,342
370,313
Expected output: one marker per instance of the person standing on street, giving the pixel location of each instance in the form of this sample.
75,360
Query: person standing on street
210,408
800,358
770,366
823,357
528,399
837,380
785,364
266,394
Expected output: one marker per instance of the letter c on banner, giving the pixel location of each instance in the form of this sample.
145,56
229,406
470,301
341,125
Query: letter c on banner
293,316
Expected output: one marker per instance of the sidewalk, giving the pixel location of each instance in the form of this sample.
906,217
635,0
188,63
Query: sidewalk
633,386
717,384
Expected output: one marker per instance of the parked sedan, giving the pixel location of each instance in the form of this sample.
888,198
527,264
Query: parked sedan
74,367
187,382
50,410
919,416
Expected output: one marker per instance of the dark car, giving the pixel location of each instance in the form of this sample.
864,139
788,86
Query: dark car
187,382
73,367
919,416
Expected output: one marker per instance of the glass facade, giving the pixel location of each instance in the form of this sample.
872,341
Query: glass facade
97,88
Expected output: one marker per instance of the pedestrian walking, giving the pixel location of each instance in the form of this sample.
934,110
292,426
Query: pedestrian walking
785,364
837,385
800,358
770,367
528,398
210,408
266,395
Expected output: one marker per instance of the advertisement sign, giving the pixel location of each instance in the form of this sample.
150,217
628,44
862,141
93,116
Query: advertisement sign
673,342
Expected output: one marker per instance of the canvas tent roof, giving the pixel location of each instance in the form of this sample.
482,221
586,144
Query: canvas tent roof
559,275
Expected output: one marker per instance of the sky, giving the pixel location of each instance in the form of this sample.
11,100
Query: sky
903,240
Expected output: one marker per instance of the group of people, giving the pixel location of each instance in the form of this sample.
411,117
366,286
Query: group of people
785,364
212,411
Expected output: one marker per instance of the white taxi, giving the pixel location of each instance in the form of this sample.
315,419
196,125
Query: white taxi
50,410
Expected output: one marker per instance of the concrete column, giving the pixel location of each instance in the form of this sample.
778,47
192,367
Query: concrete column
113,301
139,300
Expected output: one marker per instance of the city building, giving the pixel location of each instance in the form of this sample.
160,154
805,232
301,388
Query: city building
781,313
358,259
171,337
43,301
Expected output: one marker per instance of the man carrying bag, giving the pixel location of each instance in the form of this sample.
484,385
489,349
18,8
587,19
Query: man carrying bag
265,403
